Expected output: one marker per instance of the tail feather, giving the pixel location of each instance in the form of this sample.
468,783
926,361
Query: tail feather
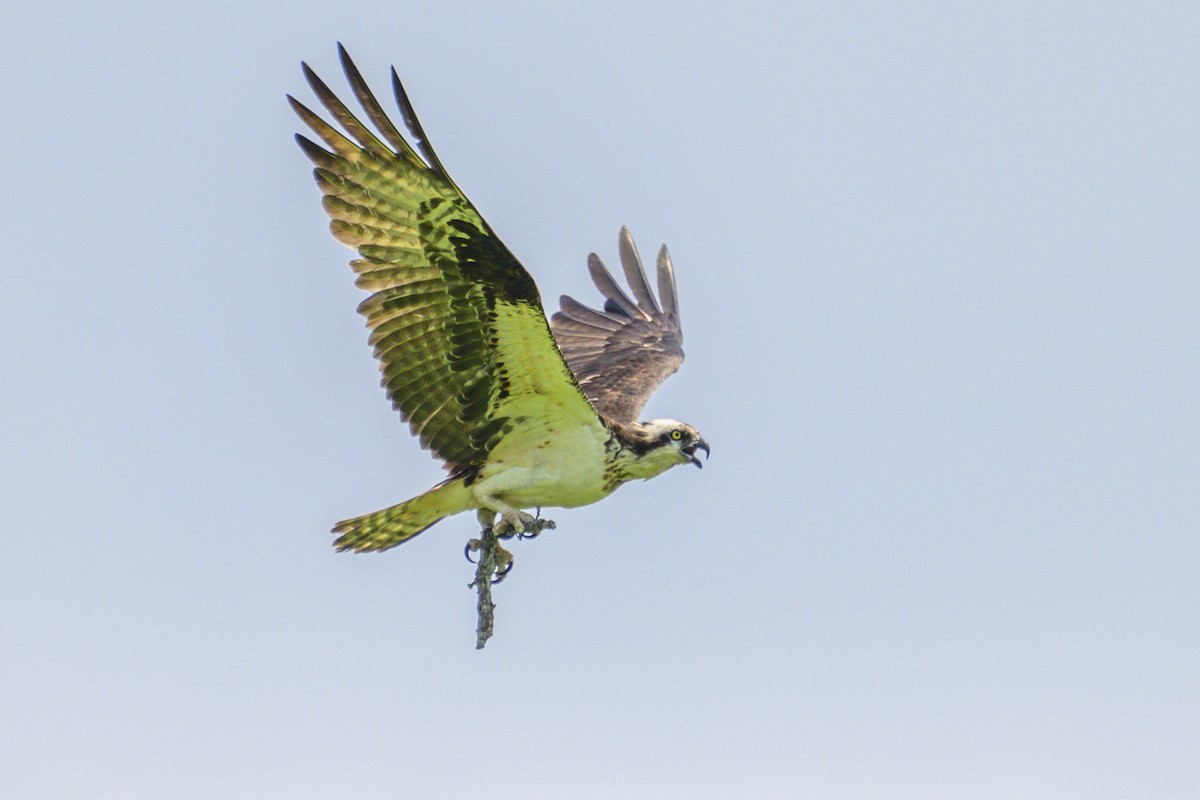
392,526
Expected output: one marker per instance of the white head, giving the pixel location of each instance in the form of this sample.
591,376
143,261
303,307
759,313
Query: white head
664,443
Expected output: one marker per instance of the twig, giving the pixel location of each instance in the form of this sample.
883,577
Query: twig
485,608
494,564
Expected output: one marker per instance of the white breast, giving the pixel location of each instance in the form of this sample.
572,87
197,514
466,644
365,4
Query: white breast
536,465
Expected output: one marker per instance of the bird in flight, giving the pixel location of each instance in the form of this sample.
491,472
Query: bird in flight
524,412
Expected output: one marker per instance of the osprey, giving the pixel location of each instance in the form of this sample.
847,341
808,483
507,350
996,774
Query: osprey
524,412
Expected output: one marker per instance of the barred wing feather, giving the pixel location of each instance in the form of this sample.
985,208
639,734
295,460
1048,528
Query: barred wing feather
456,322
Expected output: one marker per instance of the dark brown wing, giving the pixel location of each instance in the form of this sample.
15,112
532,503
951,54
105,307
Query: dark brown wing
621,354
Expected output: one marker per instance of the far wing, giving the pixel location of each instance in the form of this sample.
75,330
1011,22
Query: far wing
622,353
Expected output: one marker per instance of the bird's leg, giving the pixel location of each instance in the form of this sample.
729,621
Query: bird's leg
491,493
522,525
536,525
513,521
502,560
494,561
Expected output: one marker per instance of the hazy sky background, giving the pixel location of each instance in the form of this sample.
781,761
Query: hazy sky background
939,266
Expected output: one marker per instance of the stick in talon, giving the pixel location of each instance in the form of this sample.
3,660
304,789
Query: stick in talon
484,570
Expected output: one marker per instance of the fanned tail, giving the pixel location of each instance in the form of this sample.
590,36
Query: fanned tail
395,525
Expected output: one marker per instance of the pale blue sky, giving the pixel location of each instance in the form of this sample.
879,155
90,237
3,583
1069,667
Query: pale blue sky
938,265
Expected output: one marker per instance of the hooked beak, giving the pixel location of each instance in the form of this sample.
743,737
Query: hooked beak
691,451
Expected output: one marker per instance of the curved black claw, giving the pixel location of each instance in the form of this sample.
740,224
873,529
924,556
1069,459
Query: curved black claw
501,574
539,525
470,547
534,527
507,530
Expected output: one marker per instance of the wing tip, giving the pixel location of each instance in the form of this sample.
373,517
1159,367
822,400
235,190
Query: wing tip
668,292
316,154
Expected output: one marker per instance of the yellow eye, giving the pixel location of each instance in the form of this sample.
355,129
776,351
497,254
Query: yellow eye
677,435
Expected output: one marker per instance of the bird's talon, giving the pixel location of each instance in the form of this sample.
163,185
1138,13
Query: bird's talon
535,528
517,524
501,574
472,546
504,564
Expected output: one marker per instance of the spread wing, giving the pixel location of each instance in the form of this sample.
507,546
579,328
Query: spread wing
456,321
623,352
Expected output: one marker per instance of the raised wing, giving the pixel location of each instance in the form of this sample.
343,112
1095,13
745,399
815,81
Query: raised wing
456,321
622,353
